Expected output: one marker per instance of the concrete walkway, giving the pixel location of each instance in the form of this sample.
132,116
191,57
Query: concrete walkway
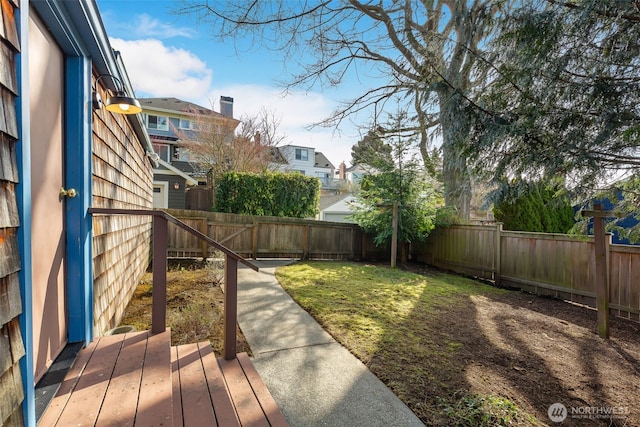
314,380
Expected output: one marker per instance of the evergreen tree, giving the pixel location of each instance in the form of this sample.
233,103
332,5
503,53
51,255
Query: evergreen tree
565,93
541,206
399,179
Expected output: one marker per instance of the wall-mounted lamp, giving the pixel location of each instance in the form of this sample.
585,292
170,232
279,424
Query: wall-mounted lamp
176,185
119,103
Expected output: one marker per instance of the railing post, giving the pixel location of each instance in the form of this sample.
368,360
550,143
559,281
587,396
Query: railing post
159,298
230,306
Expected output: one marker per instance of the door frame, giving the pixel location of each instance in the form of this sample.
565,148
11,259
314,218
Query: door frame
78,152
165,193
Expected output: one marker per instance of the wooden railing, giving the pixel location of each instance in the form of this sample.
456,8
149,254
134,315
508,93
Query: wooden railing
161,221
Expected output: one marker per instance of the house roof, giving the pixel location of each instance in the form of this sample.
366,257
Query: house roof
322,161
277,157
332,199
175,105
297,146
190,180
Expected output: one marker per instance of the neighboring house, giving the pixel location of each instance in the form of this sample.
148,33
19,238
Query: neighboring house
337,208
354,174
309,162
166,119
626,222
65,276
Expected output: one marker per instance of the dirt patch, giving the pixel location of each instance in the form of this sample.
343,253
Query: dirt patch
492,351
536,352
194,305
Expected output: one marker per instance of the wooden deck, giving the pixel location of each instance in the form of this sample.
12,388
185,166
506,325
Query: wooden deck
138,379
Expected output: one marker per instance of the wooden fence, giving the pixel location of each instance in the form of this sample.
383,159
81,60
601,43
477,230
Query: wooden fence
272,237
545,264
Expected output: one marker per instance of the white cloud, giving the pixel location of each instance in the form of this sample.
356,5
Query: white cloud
296,110
145,26
157,70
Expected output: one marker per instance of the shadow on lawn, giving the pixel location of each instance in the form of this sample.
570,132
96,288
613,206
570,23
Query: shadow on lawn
530,350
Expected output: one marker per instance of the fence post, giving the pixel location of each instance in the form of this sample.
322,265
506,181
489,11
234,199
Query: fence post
230,307
394,235
601,273
498,264
305,241
254,240
352,251
159,297
204,229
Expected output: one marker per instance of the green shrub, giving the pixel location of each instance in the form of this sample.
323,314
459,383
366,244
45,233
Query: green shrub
268,194
534,206
192,323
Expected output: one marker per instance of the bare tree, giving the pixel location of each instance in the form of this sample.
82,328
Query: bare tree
218,144
425,50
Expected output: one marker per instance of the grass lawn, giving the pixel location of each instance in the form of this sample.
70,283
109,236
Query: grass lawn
456,351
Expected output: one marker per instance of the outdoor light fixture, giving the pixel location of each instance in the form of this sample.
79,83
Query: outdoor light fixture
176,185
119,103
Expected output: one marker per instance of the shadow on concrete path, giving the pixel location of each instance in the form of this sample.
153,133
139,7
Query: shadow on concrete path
314,379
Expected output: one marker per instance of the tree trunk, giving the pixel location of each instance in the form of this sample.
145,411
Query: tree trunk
455,174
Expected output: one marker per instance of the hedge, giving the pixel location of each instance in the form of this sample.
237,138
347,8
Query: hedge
268,194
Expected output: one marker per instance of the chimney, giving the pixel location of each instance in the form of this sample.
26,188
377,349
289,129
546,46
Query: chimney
257,138
226,106
342,169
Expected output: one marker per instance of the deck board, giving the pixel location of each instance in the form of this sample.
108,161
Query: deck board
86,400
175,380
269,406
154,406
225,409
58,403
139,379
196,402
124,387
242,394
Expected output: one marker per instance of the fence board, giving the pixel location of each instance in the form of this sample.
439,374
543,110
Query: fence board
546,264
634,287
272,237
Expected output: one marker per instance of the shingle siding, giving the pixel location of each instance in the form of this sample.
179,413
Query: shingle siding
11,343
122,178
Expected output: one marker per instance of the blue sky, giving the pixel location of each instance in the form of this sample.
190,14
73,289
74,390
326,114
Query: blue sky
169,55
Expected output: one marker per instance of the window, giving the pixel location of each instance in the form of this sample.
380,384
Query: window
182,154
302,154
157,122
185,124
162,150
